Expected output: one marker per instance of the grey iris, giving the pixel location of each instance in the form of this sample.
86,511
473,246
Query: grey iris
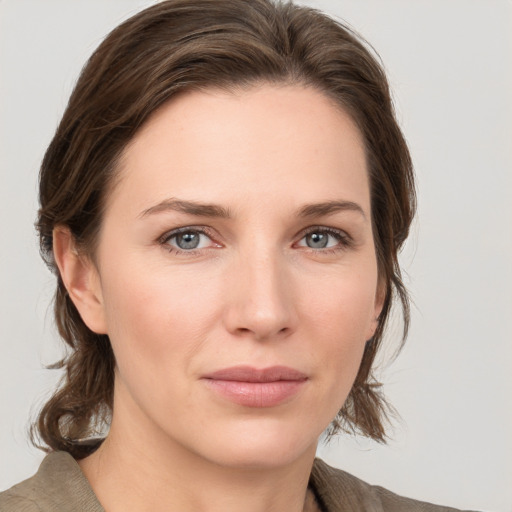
189,240
317,240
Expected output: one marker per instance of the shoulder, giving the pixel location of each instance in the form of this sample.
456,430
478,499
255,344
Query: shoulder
59,485
10,501
340,491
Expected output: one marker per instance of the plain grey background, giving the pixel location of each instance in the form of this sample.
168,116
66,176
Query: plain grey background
450,66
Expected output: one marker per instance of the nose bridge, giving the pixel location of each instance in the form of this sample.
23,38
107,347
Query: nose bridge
262,296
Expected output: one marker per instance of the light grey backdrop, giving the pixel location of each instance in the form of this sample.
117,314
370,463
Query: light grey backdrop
449,63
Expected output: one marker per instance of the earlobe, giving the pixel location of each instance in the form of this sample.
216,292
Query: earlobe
81,279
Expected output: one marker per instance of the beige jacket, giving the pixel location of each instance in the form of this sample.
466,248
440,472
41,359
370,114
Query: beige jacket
60,486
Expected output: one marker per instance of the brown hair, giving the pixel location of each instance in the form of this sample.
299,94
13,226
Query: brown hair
180,45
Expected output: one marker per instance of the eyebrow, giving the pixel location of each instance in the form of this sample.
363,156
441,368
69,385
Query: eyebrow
190,207
213,210
329,208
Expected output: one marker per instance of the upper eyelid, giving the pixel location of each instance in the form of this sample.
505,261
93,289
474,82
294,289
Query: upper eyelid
205,230
324,229
344,239
165,240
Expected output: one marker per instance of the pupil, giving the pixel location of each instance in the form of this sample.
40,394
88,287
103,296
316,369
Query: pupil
317,240
187,240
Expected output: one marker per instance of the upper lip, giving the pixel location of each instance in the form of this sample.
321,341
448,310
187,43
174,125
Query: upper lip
250,374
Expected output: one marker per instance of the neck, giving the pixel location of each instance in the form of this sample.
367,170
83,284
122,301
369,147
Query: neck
135,472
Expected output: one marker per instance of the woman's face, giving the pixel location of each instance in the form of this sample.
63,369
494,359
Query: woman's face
236,274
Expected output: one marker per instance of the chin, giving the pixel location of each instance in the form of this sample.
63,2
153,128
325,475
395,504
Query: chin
261,445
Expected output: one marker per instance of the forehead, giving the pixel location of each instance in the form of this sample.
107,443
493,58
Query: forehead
271,141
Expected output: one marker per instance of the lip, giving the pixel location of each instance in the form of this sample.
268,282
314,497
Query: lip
259,388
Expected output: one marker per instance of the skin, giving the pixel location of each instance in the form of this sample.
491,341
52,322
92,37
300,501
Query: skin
254,292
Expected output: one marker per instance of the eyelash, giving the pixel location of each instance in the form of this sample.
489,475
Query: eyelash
345,241
201,230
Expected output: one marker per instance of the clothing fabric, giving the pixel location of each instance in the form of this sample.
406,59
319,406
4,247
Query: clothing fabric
60,486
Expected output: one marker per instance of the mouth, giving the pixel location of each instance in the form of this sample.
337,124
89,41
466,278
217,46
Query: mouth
259,388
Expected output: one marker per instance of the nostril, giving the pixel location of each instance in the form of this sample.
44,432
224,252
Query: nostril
261,333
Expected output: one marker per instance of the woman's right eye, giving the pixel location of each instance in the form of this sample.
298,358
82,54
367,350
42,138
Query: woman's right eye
187,240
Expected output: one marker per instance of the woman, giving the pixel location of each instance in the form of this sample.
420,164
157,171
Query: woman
223,204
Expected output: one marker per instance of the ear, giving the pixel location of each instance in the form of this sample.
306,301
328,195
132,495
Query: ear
81,280
380,297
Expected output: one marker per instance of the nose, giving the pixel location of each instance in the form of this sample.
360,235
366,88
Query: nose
260,293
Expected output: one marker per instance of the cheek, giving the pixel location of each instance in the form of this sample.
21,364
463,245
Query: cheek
341,320
344,304
156,320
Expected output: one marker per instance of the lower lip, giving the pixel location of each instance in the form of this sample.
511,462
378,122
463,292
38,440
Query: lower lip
256,394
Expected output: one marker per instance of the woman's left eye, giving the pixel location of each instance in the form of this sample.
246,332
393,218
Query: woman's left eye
186,240
324,239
